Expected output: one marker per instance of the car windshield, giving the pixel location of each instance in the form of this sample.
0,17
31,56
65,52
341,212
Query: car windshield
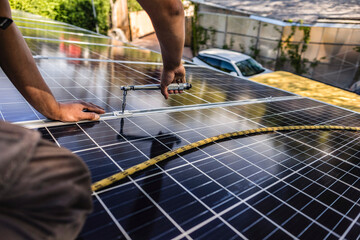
249,67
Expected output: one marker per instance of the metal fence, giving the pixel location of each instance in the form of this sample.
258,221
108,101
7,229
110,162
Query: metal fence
332,47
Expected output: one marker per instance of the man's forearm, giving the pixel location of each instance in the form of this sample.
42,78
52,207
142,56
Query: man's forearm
167,17
18,64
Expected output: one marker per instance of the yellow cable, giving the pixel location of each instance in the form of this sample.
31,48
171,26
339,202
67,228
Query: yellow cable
118,176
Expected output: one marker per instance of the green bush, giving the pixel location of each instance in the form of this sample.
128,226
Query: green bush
133,6
76,12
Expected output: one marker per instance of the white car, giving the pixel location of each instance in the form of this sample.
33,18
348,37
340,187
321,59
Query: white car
234,63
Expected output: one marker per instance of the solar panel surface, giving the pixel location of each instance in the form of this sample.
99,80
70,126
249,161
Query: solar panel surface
300,184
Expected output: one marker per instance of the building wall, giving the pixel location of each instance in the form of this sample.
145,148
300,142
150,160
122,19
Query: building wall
140,24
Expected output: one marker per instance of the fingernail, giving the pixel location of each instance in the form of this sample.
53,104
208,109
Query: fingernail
97,117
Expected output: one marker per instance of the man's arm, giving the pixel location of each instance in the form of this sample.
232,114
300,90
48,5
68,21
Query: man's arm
168,20
18,64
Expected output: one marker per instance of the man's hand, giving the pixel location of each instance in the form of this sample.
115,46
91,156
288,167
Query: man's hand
77,111
177,75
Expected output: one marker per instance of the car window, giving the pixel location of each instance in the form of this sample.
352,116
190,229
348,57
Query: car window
249,67
202,58
213,62
227,67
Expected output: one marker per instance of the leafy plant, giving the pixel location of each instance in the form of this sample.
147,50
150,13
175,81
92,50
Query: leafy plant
254,50
292,51
199,34
225,46
133,6
76,12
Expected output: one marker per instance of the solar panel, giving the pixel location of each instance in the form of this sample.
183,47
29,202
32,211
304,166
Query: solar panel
299,184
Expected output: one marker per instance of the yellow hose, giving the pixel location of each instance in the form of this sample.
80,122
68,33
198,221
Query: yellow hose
118,176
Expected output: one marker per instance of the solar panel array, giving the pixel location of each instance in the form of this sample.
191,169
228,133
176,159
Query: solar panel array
299,184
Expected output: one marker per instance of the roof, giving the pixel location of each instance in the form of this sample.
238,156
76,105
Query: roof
229,55
310,11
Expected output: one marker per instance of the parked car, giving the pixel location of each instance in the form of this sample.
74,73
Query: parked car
234,63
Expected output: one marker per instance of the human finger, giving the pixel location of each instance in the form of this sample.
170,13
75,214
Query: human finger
89,107
164,91
88,116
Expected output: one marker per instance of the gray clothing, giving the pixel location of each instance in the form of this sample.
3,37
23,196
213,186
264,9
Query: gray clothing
44,190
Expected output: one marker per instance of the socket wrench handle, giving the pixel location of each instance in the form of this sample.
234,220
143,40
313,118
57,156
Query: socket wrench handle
173,86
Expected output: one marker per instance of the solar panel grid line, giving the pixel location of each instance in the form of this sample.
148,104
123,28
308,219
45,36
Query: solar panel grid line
57,31
132,113
339,169
352,222
53,34
33,110
324,190
329,154
197,161
83,88
213,180
293,111
204,223
344,53
52,136
310,146
159,81
138,186
177,132
98,60
120,98
329,73
128,46
328,104
335,201
73,41
185,189
109,60
39,20
180,166
60,35
252,81
350,227
274,196
243,79
54,25
113,218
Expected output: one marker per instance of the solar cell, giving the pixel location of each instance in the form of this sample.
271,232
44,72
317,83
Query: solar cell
299,184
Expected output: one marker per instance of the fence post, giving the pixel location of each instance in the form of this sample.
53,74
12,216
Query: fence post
226,27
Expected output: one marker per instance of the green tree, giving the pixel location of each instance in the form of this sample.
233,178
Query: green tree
133,6
76,12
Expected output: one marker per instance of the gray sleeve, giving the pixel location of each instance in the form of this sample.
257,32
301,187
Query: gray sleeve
50,197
